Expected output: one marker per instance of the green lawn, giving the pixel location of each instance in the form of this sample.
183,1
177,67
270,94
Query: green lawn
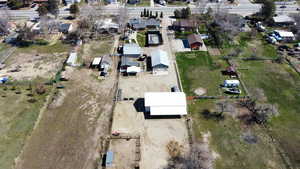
3,47
281,87
141,38
58,47
17,118
197,69
227,140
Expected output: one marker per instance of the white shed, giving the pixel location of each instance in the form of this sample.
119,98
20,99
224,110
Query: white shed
72,59
165,103
159,62
96,62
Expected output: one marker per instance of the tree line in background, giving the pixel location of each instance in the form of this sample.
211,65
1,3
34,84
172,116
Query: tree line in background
183,13
149,14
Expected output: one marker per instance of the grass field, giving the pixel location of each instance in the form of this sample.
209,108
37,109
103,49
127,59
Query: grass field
141,38
3,47
17,118
199,69
280,85
58,47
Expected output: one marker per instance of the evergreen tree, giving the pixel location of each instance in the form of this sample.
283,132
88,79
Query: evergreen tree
53,7
268,9
74,9
42,10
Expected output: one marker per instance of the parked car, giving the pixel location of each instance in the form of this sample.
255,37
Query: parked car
174,89
271,39
276,36
283,47
233,91
33,5
283,6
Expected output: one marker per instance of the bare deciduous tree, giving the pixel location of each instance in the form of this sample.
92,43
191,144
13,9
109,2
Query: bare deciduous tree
48,25
4,26
123,18
296,28
199,157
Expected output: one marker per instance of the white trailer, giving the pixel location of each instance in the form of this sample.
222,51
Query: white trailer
231,83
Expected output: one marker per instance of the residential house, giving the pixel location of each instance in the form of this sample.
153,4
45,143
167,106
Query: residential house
185,25
105,62
195,41
36,28
65,27
3,3
283,20
68,2
106,25
11,38
72,59
159,62
127,62
133,1
112,1
132,50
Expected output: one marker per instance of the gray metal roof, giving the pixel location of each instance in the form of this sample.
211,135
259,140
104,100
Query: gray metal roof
131,49
159,57
283,18
109,159
126,61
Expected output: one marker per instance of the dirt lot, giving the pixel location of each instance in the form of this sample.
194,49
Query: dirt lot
129,117
30,65
69,133
123,156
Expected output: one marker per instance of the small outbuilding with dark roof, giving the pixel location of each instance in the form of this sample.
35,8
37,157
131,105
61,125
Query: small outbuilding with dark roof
195,41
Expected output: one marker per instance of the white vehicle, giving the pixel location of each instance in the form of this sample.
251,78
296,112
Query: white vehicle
271,39
260,27
231,83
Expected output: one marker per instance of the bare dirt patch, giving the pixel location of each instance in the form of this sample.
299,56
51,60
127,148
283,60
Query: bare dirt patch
214,51
28,66
200,91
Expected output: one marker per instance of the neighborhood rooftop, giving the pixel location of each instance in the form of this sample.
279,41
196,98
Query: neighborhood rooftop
131,48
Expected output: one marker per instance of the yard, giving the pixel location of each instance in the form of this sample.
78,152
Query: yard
200,70
18,116
57,47
141,38
273,83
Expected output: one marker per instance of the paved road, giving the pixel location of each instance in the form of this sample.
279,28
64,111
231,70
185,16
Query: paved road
243,8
